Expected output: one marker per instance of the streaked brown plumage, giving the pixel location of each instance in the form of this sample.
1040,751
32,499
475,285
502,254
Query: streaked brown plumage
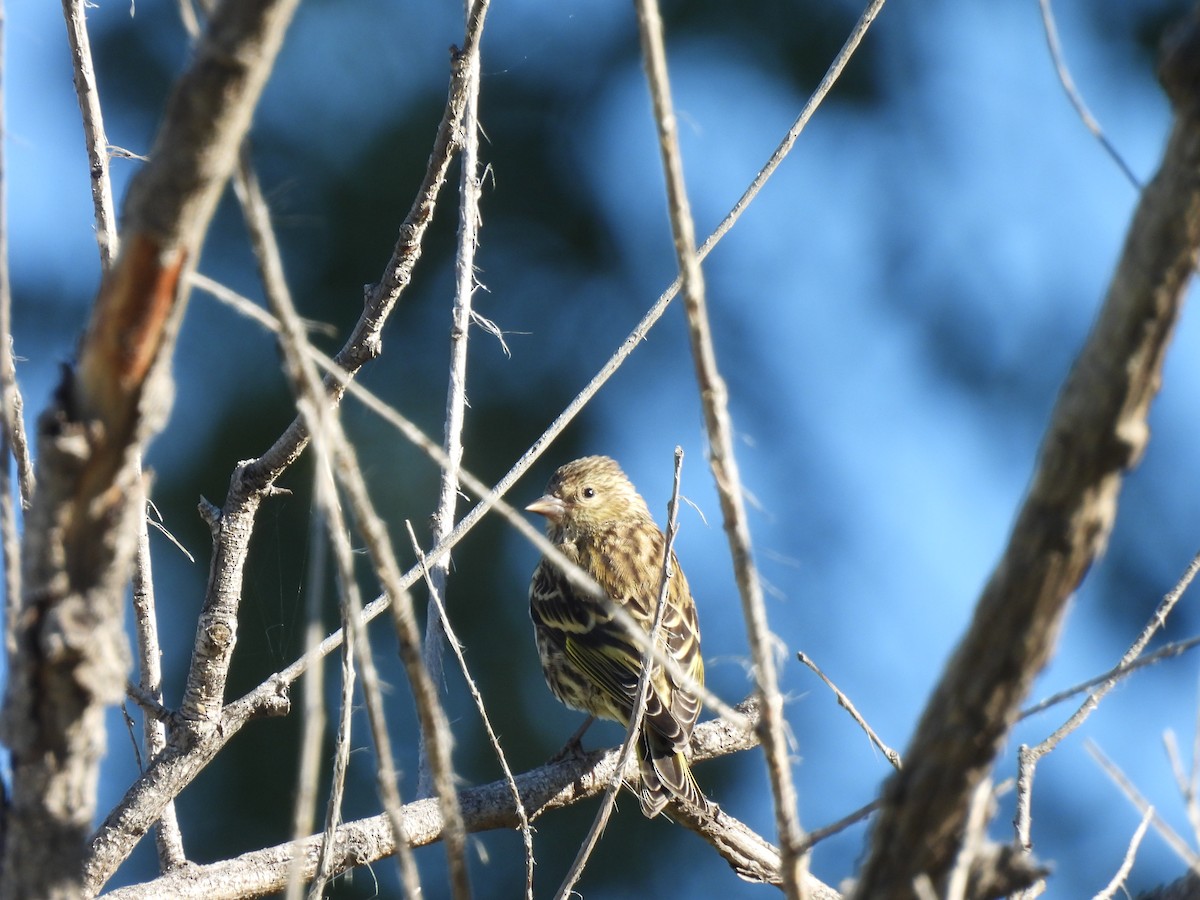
596,517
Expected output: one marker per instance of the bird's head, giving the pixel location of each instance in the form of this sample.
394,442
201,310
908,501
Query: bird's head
587,494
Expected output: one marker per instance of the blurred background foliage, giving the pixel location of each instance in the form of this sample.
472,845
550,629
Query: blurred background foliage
893,316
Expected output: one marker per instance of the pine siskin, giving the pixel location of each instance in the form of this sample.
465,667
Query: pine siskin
596,517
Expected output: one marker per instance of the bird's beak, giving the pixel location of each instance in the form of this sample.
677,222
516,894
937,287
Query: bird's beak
549,506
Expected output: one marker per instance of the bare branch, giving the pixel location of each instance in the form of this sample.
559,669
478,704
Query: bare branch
857,33
1187,782
845,703
489,806
973,845
456,649
12,424
1028,757
456,392
1023,818
817,835
93,129
1098,431
232,526
12,418
314,718
167,835
1126,867
10,395
80,539
334,454
1166,651
253,481
1168,834
1068,84
350,604
714,399
10,545
1157,621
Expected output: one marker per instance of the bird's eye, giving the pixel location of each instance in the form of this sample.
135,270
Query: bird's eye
588,493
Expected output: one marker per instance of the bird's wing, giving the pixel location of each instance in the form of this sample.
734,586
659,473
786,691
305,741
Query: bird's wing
614,662
680,629
555,605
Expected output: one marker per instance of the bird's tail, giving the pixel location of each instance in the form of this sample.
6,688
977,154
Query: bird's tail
666,777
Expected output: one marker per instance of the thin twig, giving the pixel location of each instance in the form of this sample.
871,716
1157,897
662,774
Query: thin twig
857,33
348,594
1023,816
168,837
432,717
10,394
1166,651
12,419
817,835
844,702
187,15
154,520
387,778
1126,867
93,129
923,888
1186,781
1171,747
149,703
456,391
1192,792
1068,84
1028,757
10,541
473,689
639,702
973,840
714,398
1168,834
313,720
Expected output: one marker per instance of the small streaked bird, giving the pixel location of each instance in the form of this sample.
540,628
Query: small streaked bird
598,520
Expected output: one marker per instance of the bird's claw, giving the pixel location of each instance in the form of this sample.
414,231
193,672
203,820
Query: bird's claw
573,749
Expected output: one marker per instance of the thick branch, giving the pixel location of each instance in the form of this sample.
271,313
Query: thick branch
71,654
1098,431
484,808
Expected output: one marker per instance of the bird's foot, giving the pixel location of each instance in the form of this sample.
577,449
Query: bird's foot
573,749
